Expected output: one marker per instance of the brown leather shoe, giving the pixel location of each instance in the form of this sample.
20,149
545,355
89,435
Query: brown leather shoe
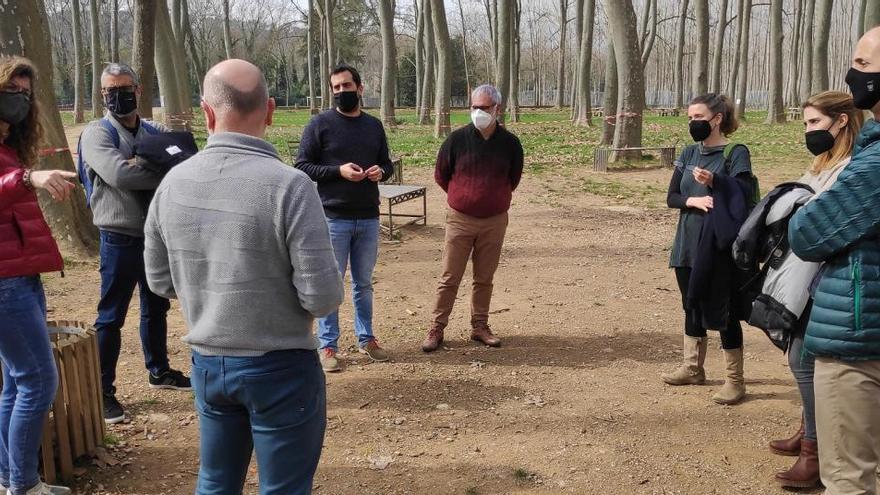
482,333
789,446
433,340
805,472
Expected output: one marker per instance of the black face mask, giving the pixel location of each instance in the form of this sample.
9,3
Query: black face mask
865,88
121,103
819,141
700,129
14,107
347,101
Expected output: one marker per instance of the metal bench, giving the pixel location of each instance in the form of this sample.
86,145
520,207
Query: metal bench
602,155
395,193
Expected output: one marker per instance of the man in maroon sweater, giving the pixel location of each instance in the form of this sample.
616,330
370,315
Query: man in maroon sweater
479,167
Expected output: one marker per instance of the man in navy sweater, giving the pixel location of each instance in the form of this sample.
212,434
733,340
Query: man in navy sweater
479,166
346,152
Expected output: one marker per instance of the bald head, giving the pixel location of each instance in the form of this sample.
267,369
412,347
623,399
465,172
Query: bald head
236,86
864,77
866,58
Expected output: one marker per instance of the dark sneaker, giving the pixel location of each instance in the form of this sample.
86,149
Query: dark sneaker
170,380
113,412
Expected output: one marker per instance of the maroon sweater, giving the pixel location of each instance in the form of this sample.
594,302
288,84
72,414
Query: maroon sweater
479,175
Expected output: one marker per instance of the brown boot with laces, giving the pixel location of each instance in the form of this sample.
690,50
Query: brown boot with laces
482,333
434,339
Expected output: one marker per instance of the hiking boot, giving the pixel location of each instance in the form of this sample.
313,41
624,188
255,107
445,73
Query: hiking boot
789,446
43,489
734,388
691,372
374,352
170,380
329,363
113,412
805,472
482,333
434,339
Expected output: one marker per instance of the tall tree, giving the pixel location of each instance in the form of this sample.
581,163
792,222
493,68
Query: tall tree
174,103
820,45
464,48
793,97
609,121
310,54
775,110
743,86
718,53
444,73
502,63
114,30
420,50
700,81
731,82
428,77
560,69
24,29
97,64
872,14
329,6
578,34
806,52
143,50
679,55
515,55
585,60
630,76
227,30
389,60
649,37
79,62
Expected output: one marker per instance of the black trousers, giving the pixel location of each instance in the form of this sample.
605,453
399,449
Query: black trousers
731,337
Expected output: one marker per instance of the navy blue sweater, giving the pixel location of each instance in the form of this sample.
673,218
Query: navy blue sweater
331,140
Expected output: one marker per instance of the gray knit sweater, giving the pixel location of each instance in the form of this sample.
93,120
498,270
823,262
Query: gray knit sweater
240,238
118,183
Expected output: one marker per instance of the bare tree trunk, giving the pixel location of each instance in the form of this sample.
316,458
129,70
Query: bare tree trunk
609,121
872,14
428,79
651,36
24,29
793,62
444,74
227,30
585,61
631,98
502,63
820,47
329,44
560,70
491,7
310,63
731,83
578,34
513,100
806,52
114,30
143,50
464,50
97,64
679,56
187,29
742,88
173,103
719,48
389,61
79,56
700,82
420,47
775,110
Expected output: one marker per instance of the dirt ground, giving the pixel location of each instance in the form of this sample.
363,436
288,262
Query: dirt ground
571,403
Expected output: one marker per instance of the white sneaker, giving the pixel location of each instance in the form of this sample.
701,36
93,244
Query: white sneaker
44,489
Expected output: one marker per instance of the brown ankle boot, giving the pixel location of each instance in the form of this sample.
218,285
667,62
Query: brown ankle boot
789,446
691,372
805,472
433,339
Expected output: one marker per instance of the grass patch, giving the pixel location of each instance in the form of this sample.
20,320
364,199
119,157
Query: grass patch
111,440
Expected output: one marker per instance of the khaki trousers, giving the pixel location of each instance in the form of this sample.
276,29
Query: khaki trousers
479,239
848,425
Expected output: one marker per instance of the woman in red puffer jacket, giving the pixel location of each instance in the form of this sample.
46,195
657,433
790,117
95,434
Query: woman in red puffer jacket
26,250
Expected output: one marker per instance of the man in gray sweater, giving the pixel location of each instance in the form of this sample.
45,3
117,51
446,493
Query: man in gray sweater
240,238
119,197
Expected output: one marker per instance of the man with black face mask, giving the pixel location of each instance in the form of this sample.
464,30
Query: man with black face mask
119,211
346,152
840,228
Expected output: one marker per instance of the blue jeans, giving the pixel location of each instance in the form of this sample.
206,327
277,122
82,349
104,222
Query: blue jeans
275,404
356,241
30,380
122,268
803,367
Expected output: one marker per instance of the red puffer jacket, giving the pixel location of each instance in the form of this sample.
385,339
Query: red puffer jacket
26,243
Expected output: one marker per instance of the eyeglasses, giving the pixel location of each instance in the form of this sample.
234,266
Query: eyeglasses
484,108
119,89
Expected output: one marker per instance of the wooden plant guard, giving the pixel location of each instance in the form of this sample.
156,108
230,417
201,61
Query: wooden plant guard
75,425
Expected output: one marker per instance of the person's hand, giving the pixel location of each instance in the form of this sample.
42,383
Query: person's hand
55,182
352,172
704,203
374,173
703,176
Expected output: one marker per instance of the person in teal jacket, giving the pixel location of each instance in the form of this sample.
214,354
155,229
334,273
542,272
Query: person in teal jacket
842,229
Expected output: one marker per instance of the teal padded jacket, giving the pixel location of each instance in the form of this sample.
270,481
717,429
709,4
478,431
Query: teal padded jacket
840,227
